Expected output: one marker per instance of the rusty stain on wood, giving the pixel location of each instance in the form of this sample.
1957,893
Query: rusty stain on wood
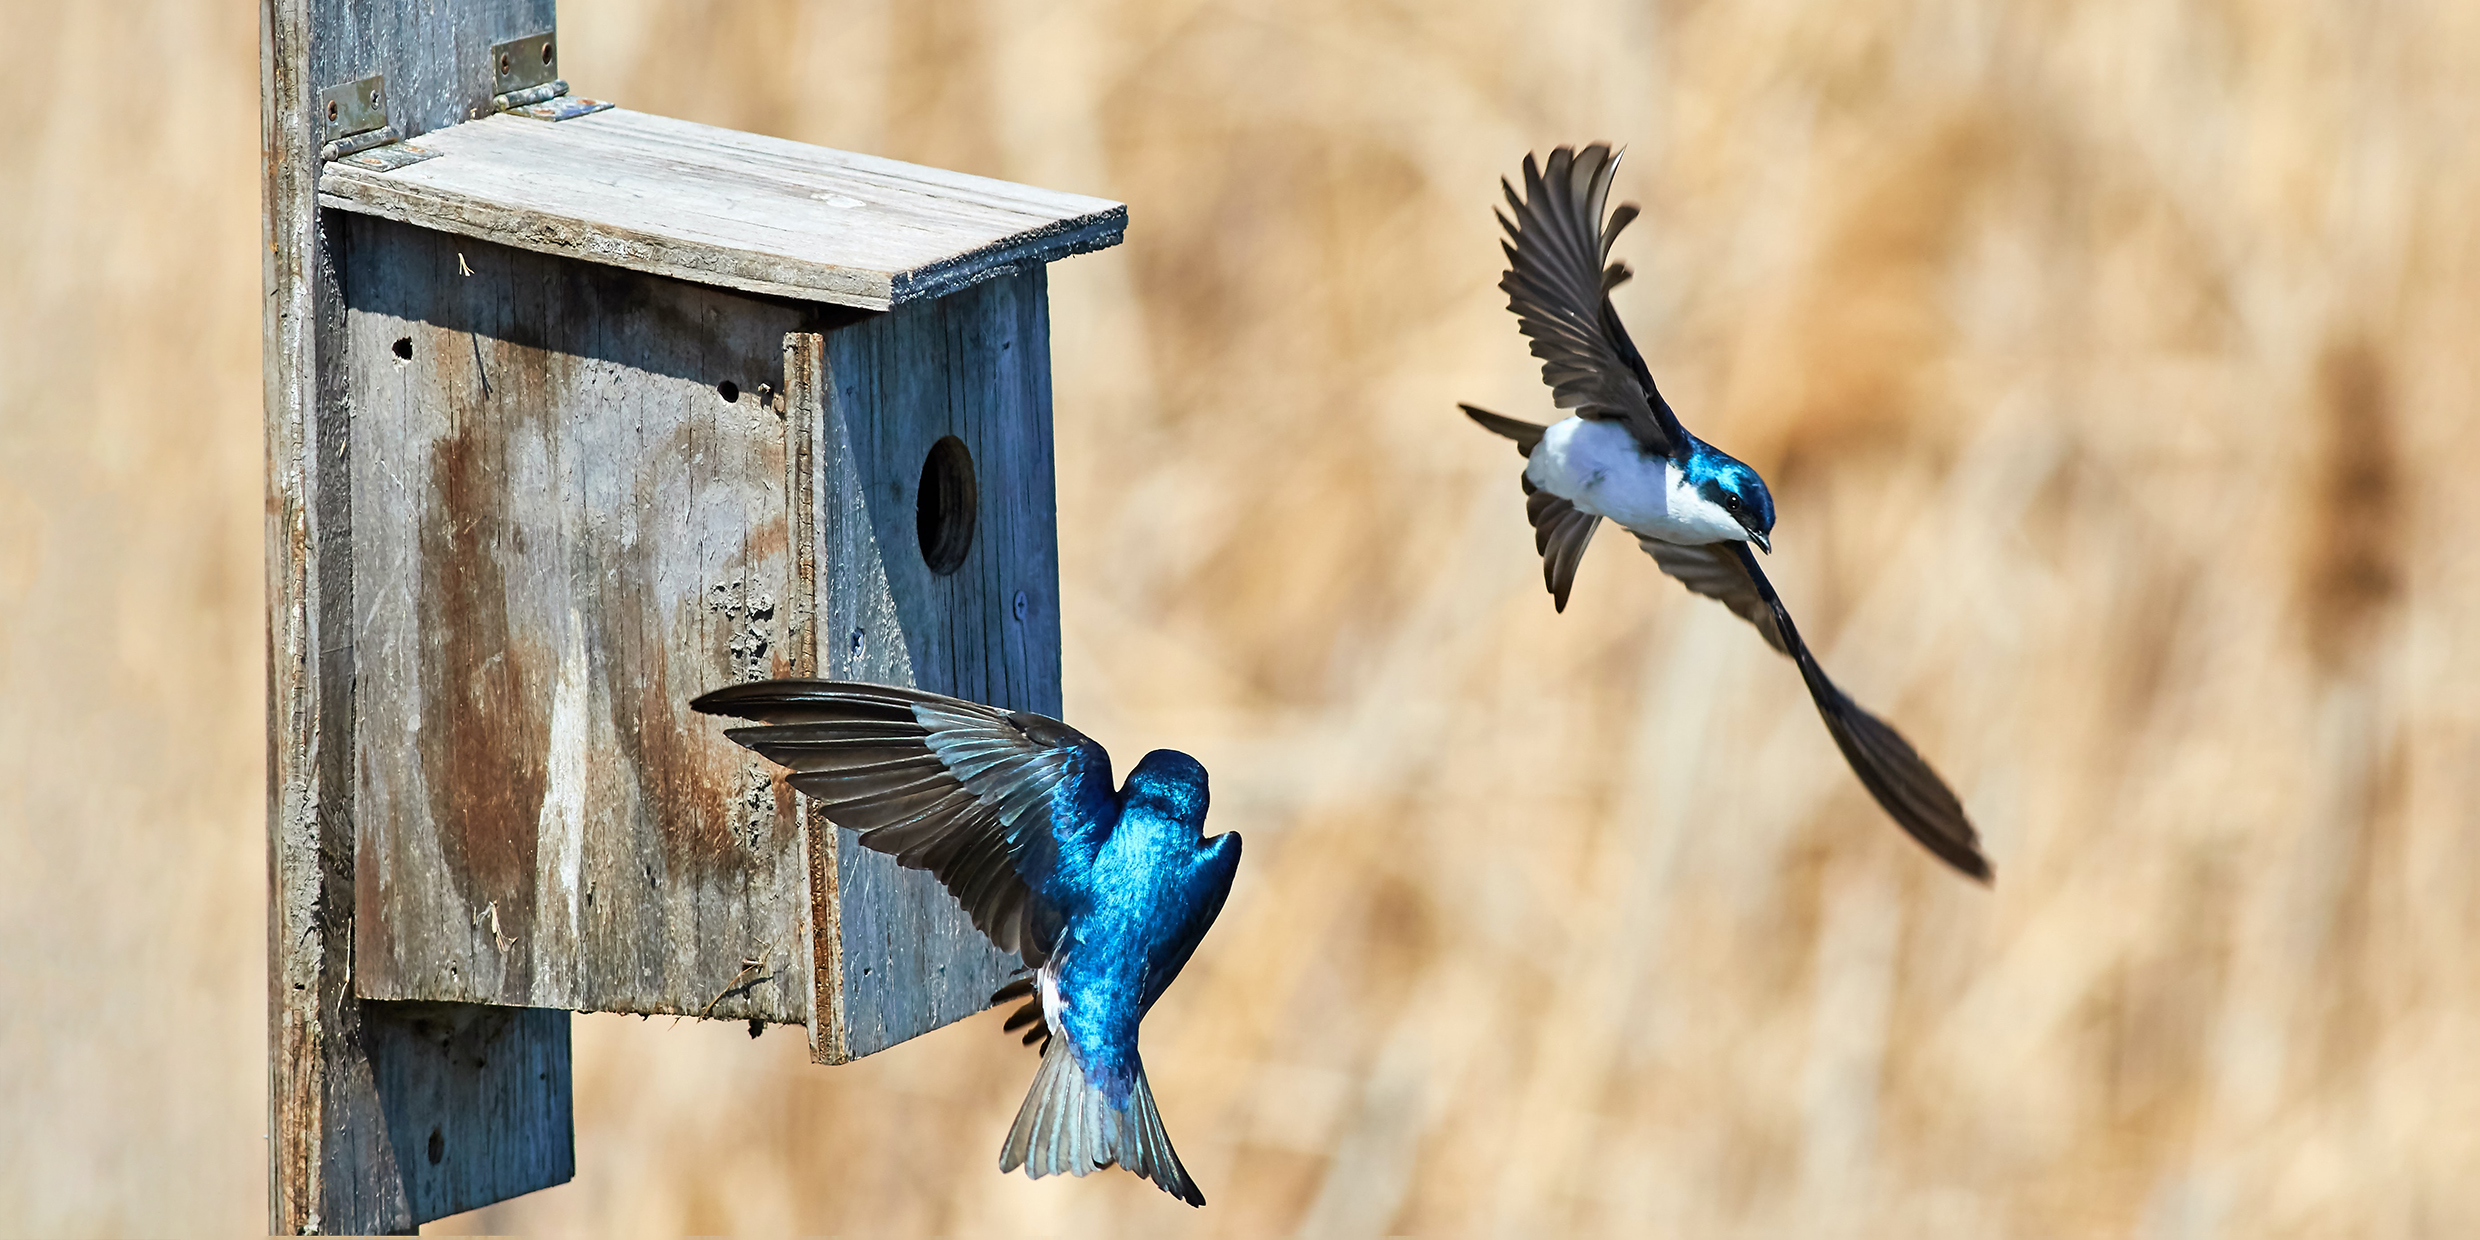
564,531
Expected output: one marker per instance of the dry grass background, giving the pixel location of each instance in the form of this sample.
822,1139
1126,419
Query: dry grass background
2114,365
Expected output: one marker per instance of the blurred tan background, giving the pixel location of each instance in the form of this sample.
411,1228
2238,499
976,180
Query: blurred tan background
2113,364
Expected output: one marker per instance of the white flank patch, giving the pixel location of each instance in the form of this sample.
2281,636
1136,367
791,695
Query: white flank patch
1598,467
1052,1004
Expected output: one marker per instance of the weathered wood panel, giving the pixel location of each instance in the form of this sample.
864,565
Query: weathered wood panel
474,1101
436,53
570,517
716,206
974,366
430,1109
328,1052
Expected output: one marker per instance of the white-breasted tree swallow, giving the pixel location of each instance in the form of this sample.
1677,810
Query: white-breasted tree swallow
1103,892
1624,455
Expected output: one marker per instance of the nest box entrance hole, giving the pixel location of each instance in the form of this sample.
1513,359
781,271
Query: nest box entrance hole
945,507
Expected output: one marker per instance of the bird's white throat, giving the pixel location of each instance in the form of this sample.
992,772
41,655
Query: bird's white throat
1600,468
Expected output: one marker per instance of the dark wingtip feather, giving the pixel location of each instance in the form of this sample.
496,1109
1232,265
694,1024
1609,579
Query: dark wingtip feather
1902,782
743,701
1894,773
805,701
1976,867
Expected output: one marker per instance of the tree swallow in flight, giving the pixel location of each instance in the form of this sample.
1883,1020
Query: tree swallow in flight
1104,893
1624,455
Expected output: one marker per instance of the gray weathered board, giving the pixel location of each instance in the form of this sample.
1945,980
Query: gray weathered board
563,531
740,210
431,1109
434,53
976,366
478,1102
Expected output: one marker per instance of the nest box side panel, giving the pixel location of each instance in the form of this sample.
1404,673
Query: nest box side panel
571,515
906,596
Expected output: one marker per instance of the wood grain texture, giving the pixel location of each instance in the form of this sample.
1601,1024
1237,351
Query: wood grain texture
975,366
328,1054
307,969
720,207
436,54
475,1104
458,1105
563,531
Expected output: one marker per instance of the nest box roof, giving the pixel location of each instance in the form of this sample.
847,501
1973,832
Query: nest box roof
718,206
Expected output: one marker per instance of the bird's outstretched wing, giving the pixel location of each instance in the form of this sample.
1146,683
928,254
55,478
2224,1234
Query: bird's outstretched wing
1887,764
1711,570
971,793
1560,533
1558,283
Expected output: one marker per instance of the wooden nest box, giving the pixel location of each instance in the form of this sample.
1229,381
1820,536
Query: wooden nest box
575,413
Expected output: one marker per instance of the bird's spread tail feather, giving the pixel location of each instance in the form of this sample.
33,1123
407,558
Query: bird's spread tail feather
1068,1125
1526,434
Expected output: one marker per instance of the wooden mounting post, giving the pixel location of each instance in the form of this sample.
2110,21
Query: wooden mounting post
382,1115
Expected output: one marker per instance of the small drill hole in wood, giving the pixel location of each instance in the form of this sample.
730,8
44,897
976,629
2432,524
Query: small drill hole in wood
546,53
438,1147
944,510
729,391
404,348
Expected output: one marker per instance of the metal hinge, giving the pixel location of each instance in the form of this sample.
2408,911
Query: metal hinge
354,128
525,76
353,117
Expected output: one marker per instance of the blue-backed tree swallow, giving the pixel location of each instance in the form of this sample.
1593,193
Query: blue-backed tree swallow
1103,892
1624,455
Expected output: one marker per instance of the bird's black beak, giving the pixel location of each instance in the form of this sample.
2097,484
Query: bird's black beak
1764,544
